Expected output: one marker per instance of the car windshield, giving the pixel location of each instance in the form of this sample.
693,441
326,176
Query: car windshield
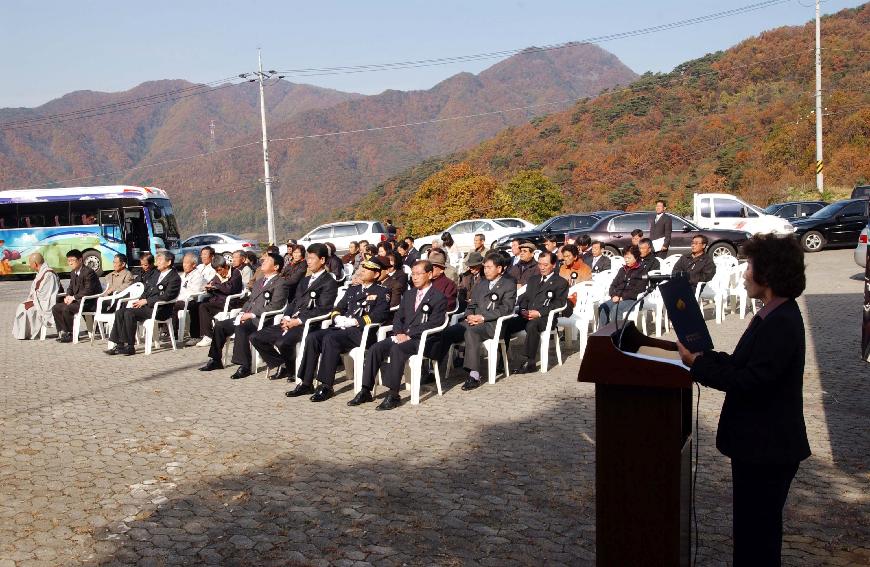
771,209
828,211
503,224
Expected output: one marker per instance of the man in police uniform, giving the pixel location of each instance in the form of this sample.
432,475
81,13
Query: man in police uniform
315,296
363,304
543,294
491,298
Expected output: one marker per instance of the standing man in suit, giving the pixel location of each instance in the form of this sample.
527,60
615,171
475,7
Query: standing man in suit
82,281
660,228
599,262
413,254
268,294
422,308
494,297
315,296
363,304
543,294
163,285
761,427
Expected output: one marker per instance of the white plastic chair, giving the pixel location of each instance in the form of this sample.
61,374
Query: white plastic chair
354,359
86,316
715,291
184,316
228,313
323,322
105,321
491,347
583,316
548,333
151,325
255,357
737,290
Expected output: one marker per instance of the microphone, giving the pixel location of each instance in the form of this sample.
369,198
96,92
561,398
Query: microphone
657,277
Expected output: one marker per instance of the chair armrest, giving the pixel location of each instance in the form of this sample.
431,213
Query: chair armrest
85,298
499,322
267,314
229,298
552,315
317,319
427,332
158,304
365,333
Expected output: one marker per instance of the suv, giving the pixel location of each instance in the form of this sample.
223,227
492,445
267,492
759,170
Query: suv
794,210
341,234
614,231
557,227
861,192
839,223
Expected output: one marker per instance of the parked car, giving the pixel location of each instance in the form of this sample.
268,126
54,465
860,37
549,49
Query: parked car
556,227
839,223
341,234
861,249
463,233
794,210
721,210
222,243
520,224
861,192
614,231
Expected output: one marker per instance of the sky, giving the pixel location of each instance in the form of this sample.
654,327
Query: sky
54,47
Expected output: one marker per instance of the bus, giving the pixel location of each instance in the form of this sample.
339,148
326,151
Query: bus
99,221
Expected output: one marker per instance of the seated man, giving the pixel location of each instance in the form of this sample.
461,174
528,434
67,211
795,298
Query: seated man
37,308
526,268
636,235
543,294
584,248
441,278
469,279
626,286
225,283
192,285
697,264
422,308
269,294
494,297
117,280
551,245
240,263
163,285
648,255
598,261
315,296
362,304
83,281
206,255
146,267
394,278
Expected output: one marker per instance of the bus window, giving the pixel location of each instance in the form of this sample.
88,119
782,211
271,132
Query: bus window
83,213
35,215
163,221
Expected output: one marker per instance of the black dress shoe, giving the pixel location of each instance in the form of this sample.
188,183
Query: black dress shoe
322,394
392,401
242,372
211,365
470,384
115,350
429,378
364,396
279,372
128,350
301,390
525,368
65,338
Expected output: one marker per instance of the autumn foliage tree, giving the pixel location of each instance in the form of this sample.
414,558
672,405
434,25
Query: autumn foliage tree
532,195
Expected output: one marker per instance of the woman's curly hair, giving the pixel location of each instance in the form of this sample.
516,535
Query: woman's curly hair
778,263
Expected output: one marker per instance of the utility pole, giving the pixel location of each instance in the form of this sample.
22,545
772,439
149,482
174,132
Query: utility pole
205,220
267,180
212,144
820,182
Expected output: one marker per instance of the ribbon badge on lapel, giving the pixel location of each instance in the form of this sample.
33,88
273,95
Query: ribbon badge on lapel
549,297
426,310
160,287
573,275
313,301
268,296
493,297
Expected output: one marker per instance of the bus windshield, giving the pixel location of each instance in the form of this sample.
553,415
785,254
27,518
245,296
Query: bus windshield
163,221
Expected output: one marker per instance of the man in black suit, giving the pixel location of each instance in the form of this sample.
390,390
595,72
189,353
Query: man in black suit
163,285
598,261
761,427
422,308
315,296
542,295
268,294
494,297
413,254
363,304
83,281
660,228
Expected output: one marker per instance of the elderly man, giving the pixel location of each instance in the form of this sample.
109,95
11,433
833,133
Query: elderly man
206,270
83,281
543,294
226,282
239,263
697,264
480,244
192,285
164,285
598,261
441,279
469,279
118,279
35,312
647,255
527,267
146,267
269,293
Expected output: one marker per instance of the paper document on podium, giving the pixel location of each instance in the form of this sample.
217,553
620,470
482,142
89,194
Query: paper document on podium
686,315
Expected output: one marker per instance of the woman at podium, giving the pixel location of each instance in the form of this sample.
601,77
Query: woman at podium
761,426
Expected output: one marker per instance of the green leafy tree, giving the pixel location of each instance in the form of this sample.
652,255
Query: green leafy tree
532,195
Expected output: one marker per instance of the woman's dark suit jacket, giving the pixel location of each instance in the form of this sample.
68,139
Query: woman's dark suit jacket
762,419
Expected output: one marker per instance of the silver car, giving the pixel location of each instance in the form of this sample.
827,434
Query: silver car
861,249
222,243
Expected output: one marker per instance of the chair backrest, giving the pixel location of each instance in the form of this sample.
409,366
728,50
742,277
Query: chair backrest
666,265
616,262
348,270
135,291
407,269
341,292
725,262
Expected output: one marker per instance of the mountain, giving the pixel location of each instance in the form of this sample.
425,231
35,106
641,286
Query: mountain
315,172
737,121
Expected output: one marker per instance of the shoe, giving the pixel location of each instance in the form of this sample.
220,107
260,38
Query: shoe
429,378
65,338
301,390
279,372
392,401
242,372
128,350
115,350
211,365
322,394
364,396
205,341
525,368
191,341
470,384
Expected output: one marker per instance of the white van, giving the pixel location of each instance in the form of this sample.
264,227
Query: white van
724,211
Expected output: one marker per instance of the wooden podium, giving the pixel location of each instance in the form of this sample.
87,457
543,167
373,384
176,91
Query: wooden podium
643,429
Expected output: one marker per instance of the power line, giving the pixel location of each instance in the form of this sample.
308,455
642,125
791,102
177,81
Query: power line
314,71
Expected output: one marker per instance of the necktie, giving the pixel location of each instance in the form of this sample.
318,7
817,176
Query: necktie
420,294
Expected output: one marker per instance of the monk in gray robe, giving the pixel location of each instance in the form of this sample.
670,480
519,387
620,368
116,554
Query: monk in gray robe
36,310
